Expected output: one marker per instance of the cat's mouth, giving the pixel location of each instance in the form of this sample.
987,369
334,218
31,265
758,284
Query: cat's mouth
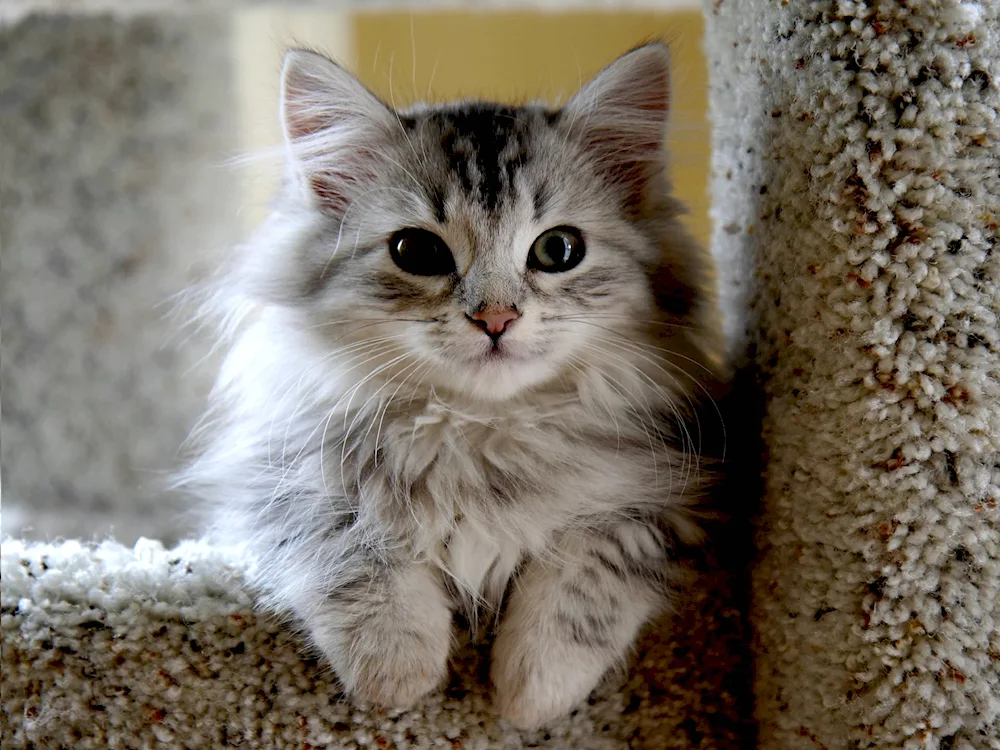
497,353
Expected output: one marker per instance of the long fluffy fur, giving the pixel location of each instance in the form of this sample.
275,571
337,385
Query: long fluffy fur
381,467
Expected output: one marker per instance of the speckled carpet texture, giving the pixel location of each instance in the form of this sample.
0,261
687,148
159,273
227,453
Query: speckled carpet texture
857,200
115,647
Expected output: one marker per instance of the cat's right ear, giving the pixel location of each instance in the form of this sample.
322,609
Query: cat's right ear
334,128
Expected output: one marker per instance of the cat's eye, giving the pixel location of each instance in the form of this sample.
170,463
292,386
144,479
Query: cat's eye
421,252
555,250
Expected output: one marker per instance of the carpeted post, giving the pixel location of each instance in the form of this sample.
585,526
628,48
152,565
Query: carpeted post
113,198
856,195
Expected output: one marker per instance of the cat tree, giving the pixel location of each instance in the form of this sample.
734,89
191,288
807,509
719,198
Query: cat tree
856,190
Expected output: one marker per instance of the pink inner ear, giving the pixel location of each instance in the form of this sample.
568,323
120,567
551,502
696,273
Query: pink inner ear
631,160
337,187
635,176
339,177
332,186
302,119
331,125
623,113
325,187
624,117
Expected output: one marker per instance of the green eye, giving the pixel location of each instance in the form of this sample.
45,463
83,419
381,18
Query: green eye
555,250
421,253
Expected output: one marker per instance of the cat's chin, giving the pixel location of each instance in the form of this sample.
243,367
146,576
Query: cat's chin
499,377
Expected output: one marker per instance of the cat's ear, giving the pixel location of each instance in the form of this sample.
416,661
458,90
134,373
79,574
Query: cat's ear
334,127
621,118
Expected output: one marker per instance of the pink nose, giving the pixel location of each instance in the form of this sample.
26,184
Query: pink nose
493,320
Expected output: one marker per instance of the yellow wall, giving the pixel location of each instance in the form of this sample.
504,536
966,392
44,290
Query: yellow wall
521,56
260,36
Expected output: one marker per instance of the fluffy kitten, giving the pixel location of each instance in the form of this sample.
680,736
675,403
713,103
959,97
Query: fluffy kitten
466,337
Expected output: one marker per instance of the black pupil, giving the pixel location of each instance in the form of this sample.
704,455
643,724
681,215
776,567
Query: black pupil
421,253
557,249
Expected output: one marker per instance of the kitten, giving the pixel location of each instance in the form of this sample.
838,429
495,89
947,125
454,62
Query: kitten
467,337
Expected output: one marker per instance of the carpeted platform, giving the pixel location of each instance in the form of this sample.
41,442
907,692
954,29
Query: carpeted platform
111,647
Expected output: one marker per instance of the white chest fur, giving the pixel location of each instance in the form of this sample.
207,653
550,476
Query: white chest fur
486,489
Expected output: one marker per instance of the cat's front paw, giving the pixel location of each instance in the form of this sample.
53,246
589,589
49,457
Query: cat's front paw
537,680
395,673
386,665
388,645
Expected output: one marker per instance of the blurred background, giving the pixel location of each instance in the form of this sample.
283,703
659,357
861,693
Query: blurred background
118,191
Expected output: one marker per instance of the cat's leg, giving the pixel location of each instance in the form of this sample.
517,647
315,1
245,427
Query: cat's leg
386,630
574,615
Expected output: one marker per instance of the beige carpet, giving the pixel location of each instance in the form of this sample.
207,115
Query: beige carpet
110,647
857,200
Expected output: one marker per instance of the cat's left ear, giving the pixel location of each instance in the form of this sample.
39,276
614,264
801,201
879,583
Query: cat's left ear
621,118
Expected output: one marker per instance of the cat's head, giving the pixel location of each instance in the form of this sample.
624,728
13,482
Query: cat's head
479,247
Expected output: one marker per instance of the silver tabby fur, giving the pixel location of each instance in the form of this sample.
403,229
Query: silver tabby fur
385,465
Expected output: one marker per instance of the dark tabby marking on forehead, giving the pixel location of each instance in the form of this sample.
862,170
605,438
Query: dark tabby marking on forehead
492,138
